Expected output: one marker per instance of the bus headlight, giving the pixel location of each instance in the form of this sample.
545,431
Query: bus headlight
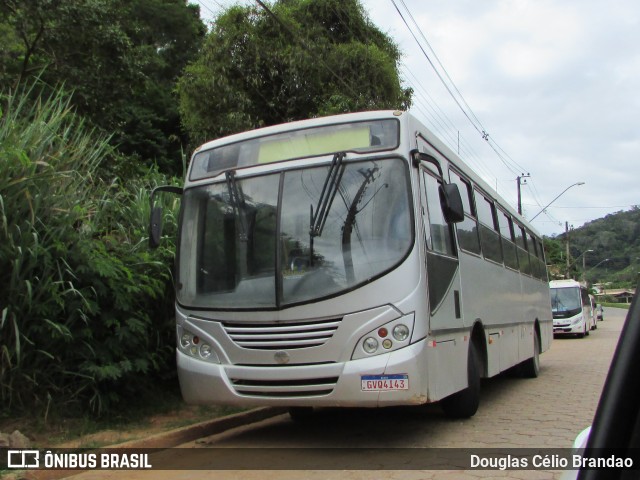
205,350
195,346
400,332
370,345
390,336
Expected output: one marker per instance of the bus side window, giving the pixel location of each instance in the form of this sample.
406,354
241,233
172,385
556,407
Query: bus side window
440,232
489,237
543,275
468,238
537,266
523,255
508,240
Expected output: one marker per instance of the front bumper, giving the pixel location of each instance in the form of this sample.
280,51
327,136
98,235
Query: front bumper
571,329
331,384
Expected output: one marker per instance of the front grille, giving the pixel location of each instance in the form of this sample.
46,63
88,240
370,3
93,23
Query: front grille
281,335
307,387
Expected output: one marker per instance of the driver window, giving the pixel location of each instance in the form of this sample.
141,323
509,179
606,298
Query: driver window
440,238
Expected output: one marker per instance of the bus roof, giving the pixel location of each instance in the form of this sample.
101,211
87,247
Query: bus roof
407,120
567,283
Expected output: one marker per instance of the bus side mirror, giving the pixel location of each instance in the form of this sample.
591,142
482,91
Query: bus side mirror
155,227
155,221
451,202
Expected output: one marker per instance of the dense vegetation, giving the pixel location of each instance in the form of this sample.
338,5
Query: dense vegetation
615,241
89,123
85,311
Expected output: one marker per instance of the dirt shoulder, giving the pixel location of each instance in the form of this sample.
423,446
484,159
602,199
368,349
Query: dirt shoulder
91,433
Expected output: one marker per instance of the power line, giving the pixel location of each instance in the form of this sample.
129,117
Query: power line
207,7
508,162
585,207
441,65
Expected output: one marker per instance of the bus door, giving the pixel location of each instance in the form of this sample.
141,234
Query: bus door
443,273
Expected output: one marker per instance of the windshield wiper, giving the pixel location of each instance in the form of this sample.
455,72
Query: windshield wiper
318,218
328,194
350,222
237,201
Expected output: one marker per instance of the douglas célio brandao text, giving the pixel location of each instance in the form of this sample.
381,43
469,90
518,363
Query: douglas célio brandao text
553,461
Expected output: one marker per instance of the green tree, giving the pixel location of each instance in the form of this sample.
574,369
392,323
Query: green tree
121,58
297,59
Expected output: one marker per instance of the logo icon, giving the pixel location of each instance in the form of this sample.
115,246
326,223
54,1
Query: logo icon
281,357
23,458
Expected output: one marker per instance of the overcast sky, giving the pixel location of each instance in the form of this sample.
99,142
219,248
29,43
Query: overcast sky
555,84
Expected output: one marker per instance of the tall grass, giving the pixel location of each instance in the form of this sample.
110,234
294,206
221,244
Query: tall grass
84,306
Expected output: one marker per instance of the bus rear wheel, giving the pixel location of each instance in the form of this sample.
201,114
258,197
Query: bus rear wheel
530,368
464,404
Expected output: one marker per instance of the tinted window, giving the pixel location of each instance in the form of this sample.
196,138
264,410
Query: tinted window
485,210
489,237
440,239
468,238
509,248
465,193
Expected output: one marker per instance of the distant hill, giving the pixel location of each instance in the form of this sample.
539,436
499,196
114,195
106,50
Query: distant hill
615,237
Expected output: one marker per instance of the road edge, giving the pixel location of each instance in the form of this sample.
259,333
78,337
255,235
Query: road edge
172,438
168,439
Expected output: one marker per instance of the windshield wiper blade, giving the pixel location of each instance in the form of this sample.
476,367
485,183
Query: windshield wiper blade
328,194
349,223
237,201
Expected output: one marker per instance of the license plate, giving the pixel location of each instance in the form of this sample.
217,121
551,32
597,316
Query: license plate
384,383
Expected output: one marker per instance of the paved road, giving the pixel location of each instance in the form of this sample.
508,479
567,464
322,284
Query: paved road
546,412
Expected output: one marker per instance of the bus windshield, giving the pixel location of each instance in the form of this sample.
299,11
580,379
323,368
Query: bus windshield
565,301
253,242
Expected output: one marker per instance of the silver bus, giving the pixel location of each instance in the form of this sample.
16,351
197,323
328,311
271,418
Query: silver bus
351,260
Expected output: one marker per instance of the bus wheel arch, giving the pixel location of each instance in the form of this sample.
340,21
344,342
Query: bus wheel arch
464,404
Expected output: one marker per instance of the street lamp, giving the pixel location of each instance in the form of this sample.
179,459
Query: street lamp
584,267
549,204
601,261
583,255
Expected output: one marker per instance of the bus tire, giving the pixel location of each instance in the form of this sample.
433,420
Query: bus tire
464,404
530,368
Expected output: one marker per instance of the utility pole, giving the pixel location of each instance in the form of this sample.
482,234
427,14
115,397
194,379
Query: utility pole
566,236
521,177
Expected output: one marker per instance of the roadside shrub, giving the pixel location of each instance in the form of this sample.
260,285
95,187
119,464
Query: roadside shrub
85,307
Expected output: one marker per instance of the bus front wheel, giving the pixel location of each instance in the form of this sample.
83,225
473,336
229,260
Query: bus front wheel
464,404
